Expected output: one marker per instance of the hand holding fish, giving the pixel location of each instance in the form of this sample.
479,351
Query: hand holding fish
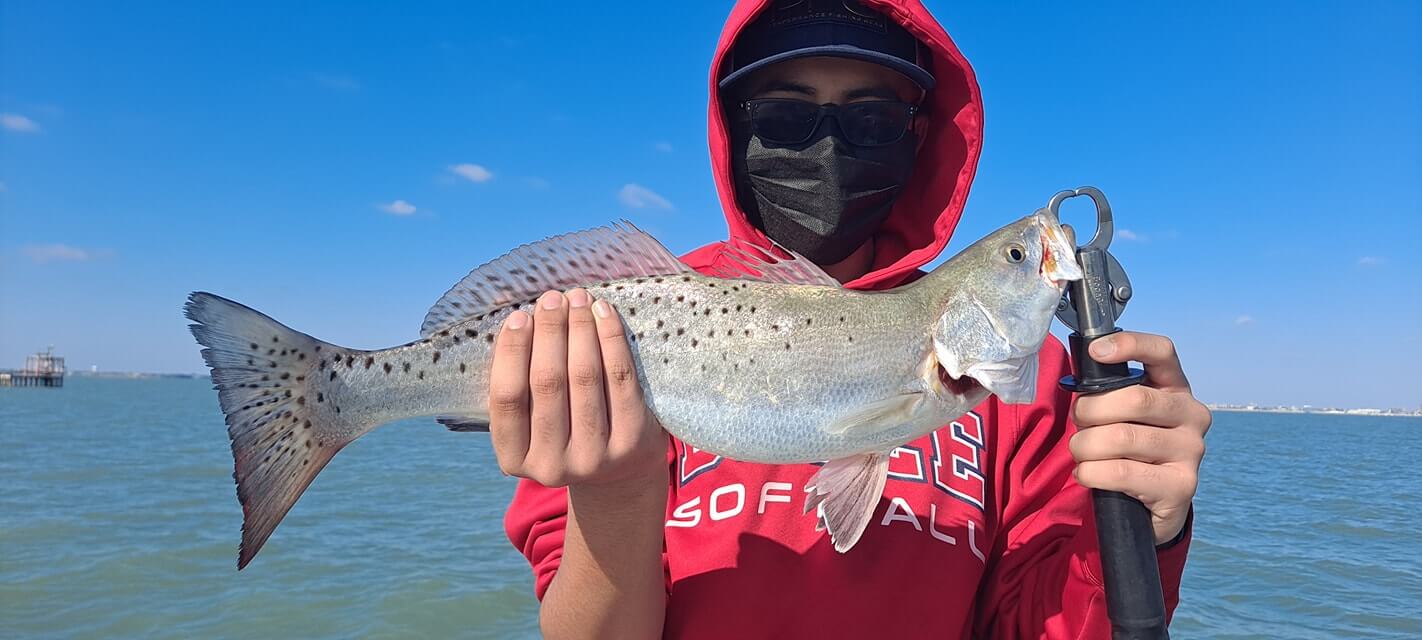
1147,440
565,406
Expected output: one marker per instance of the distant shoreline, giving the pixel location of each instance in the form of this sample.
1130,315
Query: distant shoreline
1380,413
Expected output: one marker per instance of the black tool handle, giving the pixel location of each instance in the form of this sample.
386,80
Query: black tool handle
1135,602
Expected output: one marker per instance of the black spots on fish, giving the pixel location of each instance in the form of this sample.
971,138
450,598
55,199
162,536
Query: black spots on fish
639,281
620,287
266,378
405,366
808,321
605,285
774,327
657,280
736,366
693,304
665,336
660,323
471,333
738,308
300,356
694,342
388,367
711,284
787,345
333,375
285,376
283,353
686,278
462,367
656,299
301,400
489,338
318,348
851,338
680,330
272,364
321,366
435,359
276,339
369,362
706,311
841,318
320,397
730,332
725,310
251,362
254,346
752,309
666,360
681,298
421,374
444,333
703,367
631,311
711,333
350,361
747,333
271,352
306,425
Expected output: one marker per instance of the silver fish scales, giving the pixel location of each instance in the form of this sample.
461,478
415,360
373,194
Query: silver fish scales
770,361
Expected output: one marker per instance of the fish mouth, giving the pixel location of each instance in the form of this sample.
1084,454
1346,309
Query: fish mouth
960,387
1059,265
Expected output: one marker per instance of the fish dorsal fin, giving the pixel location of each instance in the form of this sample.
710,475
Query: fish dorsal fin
749,262
581,258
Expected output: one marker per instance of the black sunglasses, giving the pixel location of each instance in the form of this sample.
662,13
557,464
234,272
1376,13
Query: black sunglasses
865,124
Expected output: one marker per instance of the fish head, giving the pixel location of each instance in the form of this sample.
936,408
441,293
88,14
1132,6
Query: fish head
1001,295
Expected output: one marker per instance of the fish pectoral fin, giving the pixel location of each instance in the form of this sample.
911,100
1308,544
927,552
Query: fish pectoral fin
845,492
465,424
881,414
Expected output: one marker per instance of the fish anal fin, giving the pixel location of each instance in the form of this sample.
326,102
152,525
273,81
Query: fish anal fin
581,258
888,413
845,493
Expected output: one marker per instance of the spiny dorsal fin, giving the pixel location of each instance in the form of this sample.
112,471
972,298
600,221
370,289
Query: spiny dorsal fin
749,262
603,254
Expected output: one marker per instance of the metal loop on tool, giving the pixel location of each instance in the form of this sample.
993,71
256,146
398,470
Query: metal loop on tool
1105,228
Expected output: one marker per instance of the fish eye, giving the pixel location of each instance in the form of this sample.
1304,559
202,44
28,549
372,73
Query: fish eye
1015,253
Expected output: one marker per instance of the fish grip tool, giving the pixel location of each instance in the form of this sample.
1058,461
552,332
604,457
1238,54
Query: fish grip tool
1135,603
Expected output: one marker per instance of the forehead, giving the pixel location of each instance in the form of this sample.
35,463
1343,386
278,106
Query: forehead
828,77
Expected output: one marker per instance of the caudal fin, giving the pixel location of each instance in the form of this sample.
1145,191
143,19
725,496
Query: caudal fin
266,376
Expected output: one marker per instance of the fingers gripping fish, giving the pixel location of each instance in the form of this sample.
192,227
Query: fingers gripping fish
769,362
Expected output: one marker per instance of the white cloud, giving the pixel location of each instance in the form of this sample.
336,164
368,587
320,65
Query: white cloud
471,172
640,197
1243,320
336,81
1369,261
18,123
42,253
398,207
1127,234
663,146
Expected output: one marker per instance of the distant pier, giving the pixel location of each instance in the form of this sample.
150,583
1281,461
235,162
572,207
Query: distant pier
41,370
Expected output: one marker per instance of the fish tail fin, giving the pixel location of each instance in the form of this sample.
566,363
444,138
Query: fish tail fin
269,387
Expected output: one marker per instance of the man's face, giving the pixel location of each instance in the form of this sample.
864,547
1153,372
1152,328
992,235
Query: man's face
826,80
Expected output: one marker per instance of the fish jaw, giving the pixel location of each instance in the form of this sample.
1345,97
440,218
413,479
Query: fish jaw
1059,265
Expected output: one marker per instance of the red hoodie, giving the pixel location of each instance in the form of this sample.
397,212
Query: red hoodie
981,530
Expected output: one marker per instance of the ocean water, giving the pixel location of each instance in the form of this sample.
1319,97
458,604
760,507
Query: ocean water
118,519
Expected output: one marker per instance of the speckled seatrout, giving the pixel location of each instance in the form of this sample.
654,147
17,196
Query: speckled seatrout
770,362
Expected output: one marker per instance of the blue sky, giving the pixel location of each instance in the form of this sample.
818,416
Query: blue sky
339,166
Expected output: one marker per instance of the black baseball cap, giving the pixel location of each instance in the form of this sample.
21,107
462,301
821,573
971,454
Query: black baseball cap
790,29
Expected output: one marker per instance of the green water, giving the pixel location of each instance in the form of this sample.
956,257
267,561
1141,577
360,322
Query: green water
118,519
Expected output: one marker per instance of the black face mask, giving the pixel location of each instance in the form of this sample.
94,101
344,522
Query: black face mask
824,198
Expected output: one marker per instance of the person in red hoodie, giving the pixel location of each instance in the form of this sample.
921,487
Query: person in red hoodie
848,133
